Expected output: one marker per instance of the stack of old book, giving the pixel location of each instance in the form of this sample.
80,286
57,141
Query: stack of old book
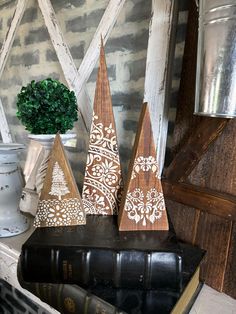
94,268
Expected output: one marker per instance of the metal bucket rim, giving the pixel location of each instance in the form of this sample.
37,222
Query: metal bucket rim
214,115
220,7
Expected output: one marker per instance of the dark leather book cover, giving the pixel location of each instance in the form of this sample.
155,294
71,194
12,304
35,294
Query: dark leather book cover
97,253
162,301
68,299
73,299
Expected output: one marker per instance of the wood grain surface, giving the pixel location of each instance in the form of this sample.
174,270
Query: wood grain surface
217,168
206,132
143,206
184,220
207,200
60,202
185,120
230,278
102,182
212,182
213,235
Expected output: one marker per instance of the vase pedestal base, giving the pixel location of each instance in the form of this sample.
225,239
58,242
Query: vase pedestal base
14,227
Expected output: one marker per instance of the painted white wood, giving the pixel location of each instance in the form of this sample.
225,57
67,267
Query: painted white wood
5,50
66,61
156,72
104,29
77,79
9,254
33,152
4,127
7,44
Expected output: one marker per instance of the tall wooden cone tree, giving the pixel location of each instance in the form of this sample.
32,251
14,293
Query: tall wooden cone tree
143,206
60,203
102,182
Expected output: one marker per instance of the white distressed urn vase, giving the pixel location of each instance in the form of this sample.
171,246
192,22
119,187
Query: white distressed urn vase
46,140
12,221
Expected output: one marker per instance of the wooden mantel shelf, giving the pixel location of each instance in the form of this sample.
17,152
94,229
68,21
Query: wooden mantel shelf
10,250
9,254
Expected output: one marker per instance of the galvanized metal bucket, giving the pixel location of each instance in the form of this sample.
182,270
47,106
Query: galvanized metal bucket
216,63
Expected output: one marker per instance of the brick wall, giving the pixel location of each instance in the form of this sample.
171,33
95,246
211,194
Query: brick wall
33,57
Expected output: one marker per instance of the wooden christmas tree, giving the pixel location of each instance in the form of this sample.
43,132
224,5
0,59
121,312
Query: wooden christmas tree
143,206
60,203
102,182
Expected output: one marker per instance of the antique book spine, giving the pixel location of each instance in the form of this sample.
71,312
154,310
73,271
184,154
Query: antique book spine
92,267
68,299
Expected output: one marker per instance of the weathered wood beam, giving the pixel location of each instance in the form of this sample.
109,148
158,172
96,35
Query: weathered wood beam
77,79
212,202
213,235
4,53
159,59
65,59
230,278
10,36
196,145
4,128
185,121
104,29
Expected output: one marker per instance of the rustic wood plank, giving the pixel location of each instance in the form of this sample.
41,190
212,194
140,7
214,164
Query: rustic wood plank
159,61
213,235
217,168
10,36
66,61
4,127
230,278
102,180
184,220
186,122
142,206
220,204
103,30
207,131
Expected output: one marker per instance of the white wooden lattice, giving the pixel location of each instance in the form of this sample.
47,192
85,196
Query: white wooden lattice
5,50
157,58
76,80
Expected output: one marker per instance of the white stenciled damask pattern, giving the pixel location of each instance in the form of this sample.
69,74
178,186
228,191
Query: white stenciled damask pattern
142,207
145,164
102,184
59,213
94,203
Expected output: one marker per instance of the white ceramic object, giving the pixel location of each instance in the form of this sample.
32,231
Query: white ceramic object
12,221
46,140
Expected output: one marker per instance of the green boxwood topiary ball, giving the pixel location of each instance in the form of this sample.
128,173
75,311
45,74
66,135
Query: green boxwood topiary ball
46,107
